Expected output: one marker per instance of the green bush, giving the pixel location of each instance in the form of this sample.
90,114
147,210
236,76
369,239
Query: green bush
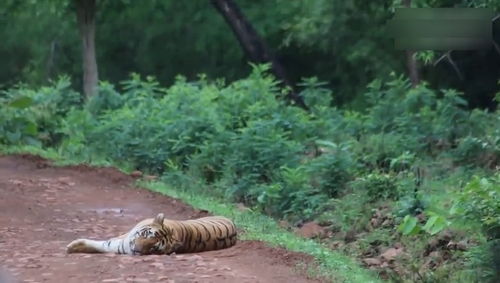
331,171
403,119
147,131
293,197
255,154
376,186
34,116
377,151
106,98
16,127
76,127
478,151
483,263
480,200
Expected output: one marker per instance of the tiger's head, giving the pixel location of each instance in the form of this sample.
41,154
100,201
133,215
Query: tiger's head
154,238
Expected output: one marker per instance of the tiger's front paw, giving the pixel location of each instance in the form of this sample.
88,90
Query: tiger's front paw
79,246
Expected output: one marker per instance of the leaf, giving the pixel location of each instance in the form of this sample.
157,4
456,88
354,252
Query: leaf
21,102
13,137
30,128
455,208
32,141
409,226
326,143
262,198
430,222
435,224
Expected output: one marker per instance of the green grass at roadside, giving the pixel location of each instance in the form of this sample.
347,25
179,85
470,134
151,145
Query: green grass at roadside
33,150
53,155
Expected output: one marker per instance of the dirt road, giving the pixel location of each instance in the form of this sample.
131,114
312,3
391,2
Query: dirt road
43,208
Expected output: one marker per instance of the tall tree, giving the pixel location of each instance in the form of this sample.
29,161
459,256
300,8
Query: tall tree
254,46
85,14
411,61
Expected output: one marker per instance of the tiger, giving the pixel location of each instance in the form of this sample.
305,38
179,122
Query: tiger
157,236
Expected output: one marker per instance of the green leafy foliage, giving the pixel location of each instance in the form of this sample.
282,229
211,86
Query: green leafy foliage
245,141
483,151
148,130
34,116
435,224
332,170
483,262
409,226
21,102
480,200
377,186
16,128
106,98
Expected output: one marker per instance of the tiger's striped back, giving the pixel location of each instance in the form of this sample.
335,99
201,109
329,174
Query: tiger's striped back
203,234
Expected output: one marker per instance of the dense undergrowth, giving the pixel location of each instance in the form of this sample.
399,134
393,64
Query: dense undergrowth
415,174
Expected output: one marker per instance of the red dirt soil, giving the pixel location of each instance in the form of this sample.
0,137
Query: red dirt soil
43,208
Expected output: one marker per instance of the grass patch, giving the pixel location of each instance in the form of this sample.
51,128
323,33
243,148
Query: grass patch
49,154
59,159
331,265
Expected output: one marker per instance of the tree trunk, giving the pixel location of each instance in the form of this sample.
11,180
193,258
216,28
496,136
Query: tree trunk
411,62
412,66
85,14
51,60
254,47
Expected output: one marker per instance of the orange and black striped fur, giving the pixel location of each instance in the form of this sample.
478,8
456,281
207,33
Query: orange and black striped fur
163,236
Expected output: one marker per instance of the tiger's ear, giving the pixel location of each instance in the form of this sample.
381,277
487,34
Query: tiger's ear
159,219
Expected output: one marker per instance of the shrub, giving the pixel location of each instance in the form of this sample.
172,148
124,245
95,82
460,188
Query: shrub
147,131
403,119
255,154
76,127
106,98
16,127
315,95
480,200
377,151
483,262
479,151
331,171
293,197
34,116
377,186
299,198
